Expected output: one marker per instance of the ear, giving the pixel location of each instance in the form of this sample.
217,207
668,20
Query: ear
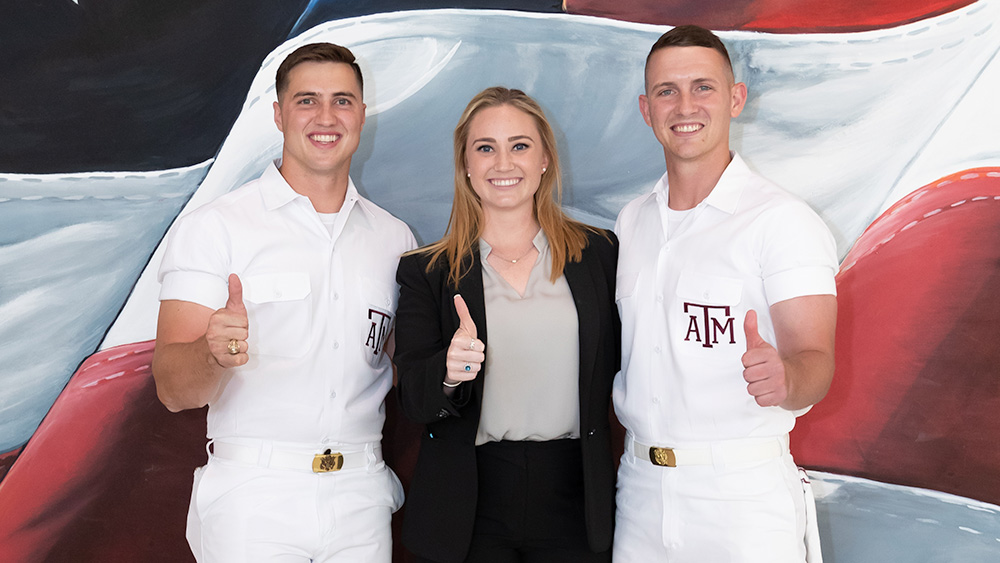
739,99
364,113
644,109
277,116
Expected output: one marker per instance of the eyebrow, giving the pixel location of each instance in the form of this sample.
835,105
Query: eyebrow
672,84
333,95
509,139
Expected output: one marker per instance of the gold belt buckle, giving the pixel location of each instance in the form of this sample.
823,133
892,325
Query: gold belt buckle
664,457
327,462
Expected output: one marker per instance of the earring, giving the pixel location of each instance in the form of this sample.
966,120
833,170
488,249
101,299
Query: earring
468,174
544,169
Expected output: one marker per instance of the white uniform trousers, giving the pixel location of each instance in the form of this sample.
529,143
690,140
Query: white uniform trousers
718,512
250,512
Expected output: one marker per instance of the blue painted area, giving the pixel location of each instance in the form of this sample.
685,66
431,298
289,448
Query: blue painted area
71,249
864,521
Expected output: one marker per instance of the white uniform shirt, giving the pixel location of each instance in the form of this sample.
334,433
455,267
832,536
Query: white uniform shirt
683,298
320,307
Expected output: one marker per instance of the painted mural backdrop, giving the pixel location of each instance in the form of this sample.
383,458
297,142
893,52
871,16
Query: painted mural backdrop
117,115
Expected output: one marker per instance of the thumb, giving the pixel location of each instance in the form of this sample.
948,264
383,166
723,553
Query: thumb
235,302
464,318
750,328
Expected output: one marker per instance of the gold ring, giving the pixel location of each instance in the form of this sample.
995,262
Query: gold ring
472,345
234,346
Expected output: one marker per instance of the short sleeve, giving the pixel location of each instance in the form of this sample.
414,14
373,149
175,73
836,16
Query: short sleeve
798,254
196,263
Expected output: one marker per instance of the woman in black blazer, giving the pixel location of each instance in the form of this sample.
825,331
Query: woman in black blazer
522,471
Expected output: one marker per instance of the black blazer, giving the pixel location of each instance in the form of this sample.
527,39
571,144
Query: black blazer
441,501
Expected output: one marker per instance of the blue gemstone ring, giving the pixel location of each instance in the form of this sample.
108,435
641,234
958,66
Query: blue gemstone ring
468,367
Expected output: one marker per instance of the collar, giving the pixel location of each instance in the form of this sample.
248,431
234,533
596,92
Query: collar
274,189
725,196
540,242
277,193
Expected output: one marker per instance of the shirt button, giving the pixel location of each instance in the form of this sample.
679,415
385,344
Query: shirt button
659,298
277,293
336,345
656,400
333,394
336,296
656,349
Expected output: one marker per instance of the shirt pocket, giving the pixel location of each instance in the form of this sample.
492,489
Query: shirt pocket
378,316
279,311
707,313
625,284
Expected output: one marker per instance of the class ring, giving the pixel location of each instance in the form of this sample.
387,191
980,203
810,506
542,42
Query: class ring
234,346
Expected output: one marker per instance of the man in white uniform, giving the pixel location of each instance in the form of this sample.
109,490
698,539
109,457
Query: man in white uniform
277,302
727,297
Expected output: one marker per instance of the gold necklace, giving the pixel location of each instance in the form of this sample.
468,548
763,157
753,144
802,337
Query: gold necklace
514,261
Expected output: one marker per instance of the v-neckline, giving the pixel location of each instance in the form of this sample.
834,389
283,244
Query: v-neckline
527,282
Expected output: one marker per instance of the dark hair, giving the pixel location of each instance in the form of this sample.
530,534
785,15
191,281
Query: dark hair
315,53
690,36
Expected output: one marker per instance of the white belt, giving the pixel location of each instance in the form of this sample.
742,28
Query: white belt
749,450
325,461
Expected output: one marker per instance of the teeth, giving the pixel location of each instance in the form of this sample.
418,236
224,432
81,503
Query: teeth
687,128
325,138
505,183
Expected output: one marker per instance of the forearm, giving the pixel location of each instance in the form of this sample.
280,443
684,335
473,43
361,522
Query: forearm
187,375
805,330
808,375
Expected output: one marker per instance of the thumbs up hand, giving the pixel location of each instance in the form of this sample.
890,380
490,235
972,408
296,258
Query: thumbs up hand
228,329
764,371
466,352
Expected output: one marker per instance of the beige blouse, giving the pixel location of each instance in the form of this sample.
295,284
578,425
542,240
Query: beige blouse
531,386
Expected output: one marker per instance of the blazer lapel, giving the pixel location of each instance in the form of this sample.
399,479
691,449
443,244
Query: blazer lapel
581,284
471,289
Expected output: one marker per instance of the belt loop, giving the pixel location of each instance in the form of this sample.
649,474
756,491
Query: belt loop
370,456
719,461
264,453
630,444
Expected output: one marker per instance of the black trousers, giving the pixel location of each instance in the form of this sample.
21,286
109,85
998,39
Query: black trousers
530,505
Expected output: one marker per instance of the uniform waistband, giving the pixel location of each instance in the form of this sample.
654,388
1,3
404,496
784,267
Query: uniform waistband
719,454
296,457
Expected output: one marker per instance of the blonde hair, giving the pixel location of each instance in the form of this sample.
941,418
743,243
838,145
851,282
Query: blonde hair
567,237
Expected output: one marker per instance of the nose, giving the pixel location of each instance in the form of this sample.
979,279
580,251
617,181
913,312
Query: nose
327,115
686,104
504,161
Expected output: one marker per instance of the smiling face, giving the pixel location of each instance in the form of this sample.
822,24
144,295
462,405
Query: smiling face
504,158
320,114
689,102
